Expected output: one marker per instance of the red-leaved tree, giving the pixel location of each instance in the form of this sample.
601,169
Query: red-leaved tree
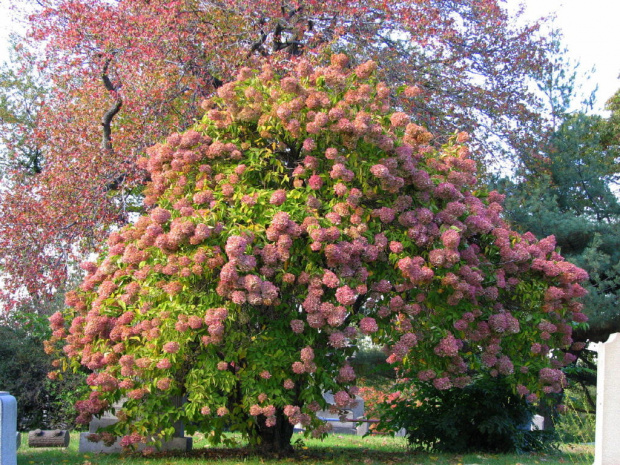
123,74
300,215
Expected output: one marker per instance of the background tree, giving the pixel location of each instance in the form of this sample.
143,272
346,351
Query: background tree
613,105
567,189
22,92
573,197
123,74
24,365
298,216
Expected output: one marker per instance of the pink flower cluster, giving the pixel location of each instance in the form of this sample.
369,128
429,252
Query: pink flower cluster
368,325
214,319
307,364
346,374
342,399
131,439
94,405
171,347
449,346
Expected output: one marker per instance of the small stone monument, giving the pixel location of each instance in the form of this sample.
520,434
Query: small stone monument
607,445
178,442
8,429
48,438
536,423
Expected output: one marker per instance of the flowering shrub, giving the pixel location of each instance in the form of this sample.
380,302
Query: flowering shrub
300,215
379,399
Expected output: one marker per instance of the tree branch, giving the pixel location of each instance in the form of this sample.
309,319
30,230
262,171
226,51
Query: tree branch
106,121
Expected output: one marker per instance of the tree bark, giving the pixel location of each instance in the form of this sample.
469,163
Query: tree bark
106,120
598,331
276,439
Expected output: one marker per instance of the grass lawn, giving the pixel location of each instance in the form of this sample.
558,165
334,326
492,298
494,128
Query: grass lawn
335,450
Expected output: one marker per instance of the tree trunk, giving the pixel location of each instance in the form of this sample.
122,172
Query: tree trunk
276,439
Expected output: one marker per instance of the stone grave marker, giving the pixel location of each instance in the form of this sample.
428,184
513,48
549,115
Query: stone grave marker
536,423
8,429
178,442
607,445
355,411
48,438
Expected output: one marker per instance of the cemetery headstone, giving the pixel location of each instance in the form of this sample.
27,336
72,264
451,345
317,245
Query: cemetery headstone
607,446
335,416
178,443
8,429
536,423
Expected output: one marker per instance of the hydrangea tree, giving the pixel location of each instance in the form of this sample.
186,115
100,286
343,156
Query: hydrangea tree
299,215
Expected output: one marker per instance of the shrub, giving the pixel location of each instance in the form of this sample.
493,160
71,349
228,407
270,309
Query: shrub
484,416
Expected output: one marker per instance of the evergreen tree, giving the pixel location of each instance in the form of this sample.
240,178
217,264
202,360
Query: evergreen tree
572,196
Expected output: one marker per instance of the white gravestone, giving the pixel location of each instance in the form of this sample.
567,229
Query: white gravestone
355,411
8,429
536,423
607,445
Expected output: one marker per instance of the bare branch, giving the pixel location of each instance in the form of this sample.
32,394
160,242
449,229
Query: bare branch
106,121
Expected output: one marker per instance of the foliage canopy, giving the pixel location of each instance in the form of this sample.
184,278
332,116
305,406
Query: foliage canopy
121,75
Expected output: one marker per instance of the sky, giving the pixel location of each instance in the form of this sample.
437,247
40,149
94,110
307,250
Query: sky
590,29
592,35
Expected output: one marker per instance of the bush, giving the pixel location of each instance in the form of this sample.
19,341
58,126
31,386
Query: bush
577,424
23,372
484,416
